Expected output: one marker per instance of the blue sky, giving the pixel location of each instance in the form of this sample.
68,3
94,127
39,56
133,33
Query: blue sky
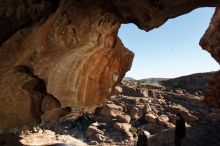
171,50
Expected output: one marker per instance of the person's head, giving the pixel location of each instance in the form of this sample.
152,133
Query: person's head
179,115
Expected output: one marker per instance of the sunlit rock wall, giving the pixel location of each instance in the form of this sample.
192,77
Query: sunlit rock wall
211,42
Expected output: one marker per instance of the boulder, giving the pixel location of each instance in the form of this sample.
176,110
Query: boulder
145,93
94,134
136,113
132,91
118,90
183,111
144,100
122,126
147,108
189,117
94,143
97,137
150,118
152,93
124,118
172,117
214,117
164,138
167,124
163,118
179,91
92,130
146,133
153,128
111,110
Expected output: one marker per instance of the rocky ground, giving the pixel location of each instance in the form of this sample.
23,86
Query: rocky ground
135,104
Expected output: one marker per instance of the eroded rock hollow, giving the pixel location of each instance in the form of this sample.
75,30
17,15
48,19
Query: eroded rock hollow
71,48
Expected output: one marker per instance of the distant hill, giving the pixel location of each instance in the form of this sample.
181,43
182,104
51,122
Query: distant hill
128,79
194,83
154,80
191,83
150,80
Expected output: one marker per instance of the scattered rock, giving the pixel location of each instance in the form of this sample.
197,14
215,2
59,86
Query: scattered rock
147,108
49,137
163,118
150,118
124,118
97,137
179,91
158,112
118,90
122,126
144,100
145,93
189,117
153,128
94,143
131,91
136,113
147,133
172,117
183,111
111,110
151,93
92,130
214,117
94,134
167,124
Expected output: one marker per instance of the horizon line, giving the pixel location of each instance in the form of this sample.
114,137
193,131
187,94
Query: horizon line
171,77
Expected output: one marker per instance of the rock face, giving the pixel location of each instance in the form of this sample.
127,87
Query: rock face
66,51
73,46
210,42
212,92
15,15
30,101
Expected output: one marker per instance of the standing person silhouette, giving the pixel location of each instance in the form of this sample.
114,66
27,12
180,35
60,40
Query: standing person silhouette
142,138
180,130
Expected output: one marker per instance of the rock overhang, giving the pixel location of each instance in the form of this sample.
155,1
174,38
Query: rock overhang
74,48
